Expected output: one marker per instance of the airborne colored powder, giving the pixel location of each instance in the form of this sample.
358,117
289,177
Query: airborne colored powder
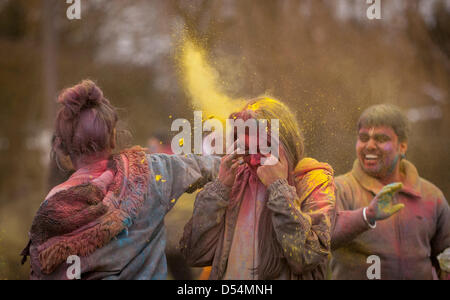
201,83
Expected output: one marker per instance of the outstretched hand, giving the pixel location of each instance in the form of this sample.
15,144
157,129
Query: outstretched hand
382,206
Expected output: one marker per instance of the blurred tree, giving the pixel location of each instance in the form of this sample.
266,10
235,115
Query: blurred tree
12,20
440,30
50,59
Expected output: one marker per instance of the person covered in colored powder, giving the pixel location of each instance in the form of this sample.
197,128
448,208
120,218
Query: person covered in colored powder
266,221
109,214
383,185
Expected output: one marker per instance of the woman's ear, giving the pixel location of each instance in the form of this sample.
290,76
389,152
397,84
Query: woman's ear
63,161
58,147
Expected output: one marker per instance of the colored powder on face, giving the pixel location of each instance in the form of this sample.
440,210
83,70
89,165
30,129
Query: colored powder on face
201,82
394,164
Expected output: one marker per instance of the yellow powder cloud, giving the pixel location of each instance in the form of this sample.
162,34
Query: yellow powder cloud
201,82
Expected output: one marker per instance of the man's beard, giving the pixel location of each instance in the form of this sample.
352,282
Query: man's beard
382,169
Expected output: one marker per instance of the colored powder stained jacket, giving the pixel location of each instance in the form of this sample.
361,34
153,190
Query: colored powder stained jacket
302,219
407,243
111,215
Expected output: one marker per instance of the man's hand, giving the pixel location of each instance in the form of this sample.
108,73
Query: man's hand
381,207
268,174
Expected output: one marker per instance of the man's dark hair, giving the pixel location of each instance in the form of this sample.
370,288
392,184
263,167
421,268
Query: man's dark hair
386,115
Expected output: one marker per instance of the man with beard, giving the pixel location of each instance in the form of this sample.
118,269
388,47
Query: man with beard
416,220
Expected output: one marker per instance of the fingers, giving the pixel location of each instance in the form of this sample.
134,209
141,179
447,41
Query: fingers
394,187
230,159
236,146
233,152
397,208
232,147
272,159
391,188
235,165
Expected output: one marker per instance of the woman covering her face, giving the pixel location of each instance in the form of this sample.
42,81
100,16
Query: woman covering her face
261,221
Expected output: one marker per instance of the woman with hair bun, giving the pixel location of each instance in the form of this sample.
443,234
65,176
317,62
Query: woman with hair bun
109,214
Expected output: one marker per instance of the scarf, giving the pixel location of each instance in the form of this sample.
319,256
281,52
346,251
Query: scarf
309,177
92,207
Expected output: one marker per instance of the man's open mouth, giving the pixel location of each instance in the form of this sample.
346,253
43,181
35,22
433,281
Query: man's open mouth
371,157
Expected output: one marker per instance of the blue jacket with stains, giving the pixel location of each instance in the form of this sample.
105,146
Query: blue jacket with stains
137,251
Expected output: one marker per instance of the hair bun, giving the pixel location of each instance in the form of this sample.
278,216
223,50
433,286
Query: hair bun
84,95
94,94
